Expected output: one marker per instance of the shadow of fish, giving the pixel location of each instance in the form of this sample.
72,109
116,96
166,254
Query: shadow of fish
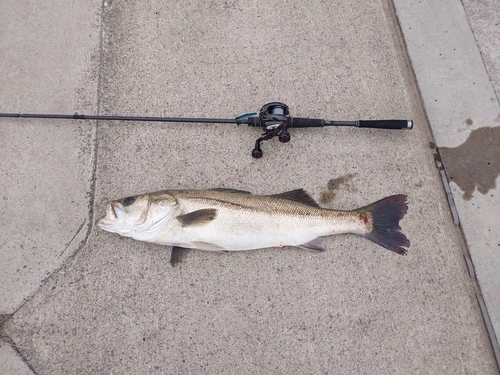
222,220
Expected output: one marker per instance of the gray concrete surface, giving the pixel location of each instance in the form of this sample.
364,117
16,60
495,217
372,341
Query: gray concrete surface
11,363
453,65
49,63
116,306
484,19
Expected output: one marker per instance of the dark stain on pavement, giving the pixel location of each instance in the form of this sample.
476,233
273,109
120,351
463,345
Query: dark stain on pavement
476,162
334,184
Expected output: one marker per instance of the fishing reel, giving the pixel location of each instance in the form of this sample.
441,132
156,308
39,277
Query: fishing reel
274,118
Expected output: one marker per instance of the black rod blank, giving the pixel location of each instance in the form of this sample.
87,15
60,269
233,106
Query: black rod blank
77,116
296,122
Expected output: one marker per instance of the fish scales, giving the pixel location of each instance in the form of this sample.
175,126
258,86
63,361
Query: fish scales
273,215
275,224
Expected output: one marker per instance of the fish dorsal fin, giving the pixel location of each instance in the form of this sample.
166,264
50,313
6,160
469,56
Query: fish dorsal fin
298,195
198,217
235,191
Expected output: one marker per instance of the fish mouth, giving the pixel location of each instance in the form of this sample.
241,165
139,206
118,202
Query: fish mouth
110,217
111,212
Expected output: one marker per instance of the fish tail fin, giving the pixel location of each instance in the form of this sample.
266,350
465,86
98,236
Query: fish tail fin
385,216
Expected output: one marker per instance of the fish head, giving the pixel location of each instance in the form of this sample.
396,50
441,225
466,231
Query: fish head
125,215
133,215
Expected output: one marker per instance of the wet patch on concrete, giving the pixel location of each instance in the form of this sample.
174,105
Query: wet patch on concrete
334,185
476,162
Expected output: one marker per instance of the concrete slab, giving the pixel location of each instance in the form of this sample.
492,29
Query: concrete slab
49,64
118,307
11,363
484,20
464,114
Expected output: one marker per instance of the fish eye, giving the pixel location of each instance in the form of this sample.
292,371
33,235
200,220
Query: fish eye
128,201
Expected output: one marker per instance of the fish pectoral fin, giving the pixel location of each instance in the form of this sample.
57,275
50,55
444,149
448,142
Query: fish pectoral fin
235,191
177,256
299,195
198,217
315,245
178,253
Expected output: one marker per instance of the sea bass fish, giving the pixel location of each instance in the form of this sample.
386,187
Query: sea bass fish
222,220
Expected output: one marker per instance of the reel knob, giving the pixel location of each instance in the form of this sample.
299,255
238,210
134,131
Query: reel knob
257,152
284,136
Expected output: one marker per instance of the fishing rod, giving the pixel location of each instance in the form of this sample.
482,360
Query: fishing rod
274,119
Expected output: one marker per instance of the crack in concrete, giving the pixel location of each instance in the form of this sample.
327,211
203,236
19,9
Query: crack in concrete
489,326
3,319
467,153
91,194
76,234
93,178
8,341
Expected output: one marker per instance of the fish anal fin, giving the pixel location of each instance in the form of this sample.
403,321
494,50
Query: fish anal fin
314,245
205,246
234,191
298,195
177,256
198,217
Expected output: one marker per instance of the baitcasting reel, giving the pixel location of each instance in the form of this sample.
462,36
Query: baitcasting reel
274,118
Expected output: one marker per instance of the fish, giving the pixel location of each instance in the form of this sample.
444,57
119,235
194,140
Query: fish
223,220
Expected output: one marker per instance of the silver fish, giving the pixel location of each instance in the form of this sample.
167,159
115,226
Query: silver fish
222,220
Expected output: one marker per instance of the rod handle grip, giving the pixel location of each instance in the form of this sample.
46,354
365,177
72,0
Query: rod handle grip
385,124
300,122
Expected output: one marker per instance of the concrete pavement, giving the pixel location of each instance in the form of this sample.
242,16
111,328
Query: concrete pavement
84,301
453,61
